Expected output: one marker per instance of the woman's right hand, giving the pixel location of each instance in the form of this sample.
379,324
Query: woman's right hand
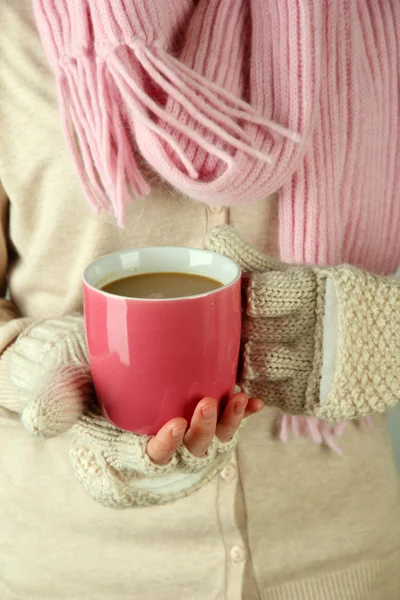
203,427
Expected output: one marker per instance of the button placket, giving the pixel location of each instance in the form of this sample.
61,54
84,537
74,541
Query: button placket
236,553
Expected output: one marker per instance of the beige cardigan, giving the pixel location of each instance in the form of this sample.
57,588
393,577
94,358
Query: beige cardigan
282,521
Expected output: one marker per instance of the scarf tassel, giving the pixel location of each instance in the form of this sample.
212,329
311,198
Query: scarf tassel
212,108
98,137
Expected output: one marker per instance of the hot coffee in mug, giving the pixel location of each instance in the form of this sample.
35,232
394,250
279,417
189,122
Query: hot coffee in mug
162,285
163,328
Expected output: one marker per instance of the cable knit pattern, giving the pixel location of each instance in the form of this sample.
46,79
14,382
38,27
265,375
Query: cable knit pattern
283,336
112,464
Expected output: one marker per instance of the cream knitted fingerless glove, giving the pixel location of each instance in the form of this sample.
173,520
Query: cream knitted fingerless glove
116,471
49,370
317,341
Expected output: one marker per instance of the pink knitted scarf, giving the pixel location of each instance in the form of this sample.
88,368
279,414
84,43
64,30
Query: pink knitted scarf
231,100
186,87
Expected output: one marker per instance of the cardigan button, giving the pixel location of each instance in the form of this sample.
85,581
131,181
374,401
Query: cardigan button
228,473
238,554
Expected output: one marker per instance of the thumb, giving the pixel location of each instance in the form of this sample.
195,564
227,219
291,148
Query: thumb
225,240
58,401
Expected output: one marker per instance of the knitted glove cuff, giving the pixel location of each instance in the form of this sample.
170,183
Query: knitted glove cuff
282,337
292,359
366,364
317,341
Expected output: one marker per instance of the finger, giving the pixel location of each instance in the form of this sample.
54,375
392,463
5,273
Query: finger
254,405
162,446
202,427
234,414
231,417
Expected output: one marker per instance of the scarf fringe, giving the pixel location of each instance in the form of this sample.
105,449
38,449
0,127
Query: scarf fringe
208,104
98,137
234,106
319,431
101,101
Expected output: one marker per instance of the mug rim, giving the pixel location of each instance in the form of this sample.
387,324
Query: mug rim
154,300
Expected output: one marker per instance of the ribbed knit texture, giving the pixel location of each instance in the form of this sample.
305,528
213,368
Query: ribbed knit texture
50,375
201,112
9,395
358,583
8,333
343,205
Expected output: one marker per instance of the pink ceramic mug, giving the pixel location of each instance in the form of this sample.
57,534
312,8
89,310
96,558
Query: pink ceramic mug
151,359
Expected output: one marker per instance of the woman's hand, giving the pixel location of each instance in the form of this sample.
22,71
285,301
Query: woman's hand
120,469
203,428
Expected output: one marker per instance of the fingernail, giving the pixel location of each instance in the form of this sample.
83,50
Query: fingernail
209,412
177,432
240,407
